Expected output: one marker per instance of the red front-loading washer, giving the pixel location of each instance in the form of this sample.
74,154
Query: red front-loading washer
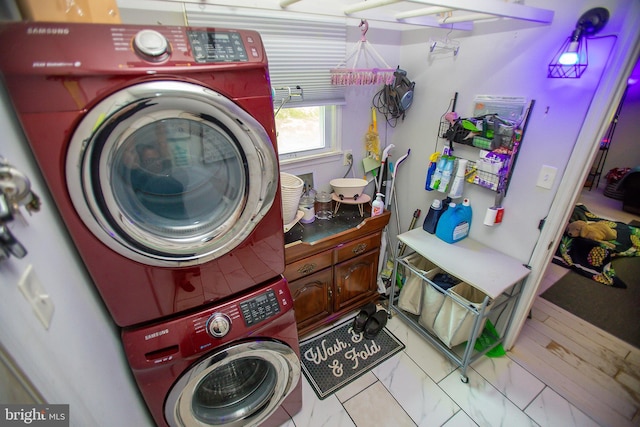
233,364
158,146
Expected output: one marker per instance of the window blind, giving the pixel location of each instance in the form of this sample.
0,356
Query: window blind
300,51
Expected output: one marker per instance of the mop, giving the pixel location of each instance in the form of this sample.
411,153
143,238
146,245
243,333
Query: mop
383,165
387,264
381,188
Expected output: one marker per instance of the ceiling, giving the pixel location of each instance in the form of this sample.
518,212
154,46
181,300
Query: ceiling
399,14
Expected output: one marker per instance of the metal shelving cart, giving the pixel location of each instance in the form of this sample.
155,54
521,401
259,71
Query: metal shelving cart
497,276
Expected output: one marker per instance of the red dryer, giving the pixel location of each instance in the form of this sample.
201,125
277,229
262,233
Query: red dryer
158,146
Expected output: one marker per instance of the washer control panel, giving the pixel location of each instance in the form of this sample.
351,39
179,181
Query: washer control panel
181,337
260,308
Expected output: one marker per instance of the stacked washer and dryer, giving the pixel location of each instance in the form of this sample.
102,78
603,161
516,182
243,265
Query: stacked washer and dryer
158,146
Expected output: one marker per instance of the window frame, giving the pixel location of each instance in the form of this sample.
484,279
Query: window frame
332,135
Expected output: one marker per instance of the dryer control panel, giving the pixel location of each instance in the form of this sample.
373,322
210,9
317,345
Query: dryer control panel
220,46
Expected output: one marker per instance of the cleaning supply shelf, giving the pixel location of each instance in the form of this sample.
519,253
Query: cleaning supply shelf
452,319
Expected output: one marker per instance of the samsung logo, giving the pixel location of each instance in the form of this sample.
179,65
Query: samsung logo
156,334
58,31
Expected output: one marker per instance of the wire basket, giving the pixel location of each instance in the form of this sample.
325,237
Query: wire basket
291,188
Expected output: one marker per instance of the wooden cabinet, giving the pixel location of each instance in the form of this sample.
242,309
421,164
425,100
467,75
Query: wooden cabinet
334,275
312,296
356,278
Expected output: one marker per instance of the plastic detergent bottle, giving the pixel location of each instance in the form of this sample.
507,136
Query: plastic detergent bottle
458,182
454,223
435,211
377,207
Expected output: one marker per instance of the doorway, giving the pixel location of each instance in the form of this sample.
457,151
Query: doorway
624,151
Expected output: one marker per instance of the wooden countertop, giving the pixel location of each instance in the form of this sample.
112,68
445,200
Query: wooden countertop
306,239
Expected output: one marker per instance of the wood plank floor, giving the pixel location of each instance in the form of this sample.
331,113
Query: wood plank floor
595,371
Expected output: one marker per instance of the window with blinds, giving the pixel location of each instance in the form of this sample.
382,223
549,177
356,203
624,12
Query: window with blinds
300,51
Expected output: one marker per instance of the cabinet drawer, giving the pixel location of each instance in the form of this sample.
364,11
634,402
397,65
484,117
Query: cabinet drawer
357,247
307,266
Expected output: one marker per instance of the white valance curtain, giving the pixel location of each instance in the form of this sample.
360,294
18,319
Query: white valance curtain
300,51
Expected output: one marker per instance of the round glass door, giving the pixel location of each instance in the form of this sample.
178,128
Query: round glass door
239,386
171,172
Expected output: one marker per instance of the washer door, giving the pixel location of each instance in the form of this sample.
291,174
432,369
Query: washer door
239,385
171,173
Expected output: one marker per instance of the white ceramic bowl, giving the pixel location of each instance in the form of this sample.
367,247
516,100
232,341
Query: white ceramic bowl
348,188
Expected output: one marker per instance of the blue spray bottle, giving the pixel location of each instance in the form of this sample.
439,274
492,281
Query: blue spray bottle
431,171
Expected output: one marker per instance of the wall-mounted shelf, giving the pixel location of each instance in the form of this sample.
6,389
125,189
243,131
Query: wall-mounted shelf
502,148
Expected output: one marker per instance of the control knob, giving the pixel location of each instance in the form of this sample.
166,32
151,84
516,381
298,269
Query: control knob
151,45
218,325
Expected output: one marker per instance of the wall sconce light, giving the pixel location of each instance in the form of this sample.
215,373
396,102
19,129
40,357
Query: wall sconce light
572,58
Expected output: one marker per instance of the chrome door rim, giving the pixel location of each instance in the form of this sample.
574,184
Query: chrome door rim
112,227
282,357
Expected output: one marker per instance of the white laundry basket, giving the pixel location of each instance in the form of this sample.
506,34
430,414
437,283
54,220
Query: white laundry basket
291,188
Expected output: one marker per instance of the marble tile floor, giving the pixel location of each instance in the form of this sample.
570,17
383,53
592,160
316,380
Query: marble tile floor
421,387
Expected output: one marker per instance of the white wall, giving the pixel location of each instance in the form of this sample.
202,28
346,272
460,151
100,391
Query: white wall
560,135
501,59
79,360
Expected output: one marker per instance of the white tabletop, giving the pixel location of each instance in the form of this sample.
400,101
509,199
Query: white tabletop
469,260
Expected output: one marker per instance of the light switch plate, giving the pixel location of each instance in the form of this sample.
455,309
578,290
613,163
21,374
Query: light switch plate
35,294
546,177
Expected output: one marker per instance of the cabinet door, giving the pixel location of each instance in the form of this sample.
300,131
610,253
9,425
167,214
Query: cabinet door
312,298
356,279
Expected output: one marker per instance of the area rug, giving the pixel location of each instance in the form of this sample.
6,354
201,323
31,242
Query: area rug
615,310
338,356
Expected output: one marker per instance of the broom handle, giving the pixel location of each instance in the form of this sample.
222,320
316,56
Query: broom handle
403,246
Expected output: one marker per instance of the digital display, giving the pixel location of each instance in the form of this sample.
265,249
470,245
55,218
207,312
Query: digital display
217,46
260,308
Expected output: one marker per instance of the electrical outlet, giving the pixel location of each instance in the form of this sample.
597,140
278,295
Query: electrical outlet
546,177
35,294
308,180
347,157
